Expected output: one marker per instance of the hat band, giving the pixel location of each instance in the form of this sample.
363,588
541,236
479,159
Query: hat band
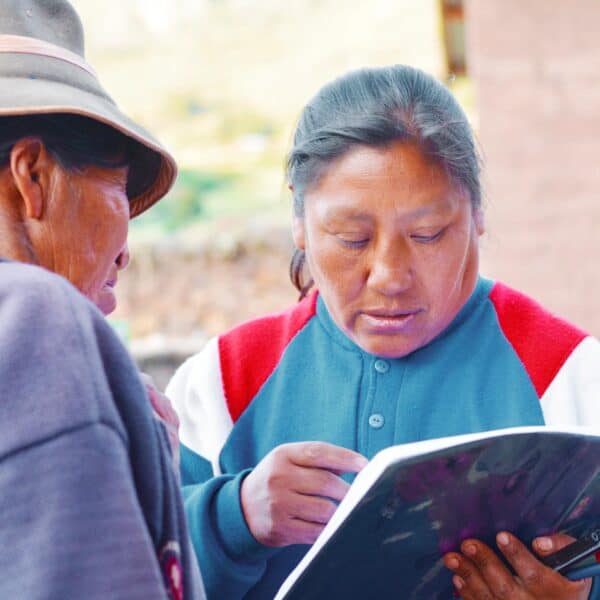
26,45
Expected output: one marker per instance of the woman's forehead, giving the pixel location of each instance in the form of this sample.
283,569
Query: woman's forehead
364,166
399,177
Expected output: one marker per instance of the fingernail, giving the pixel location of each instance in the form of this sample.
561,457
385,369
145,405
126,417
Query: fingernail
458,583
452,563
470,549
544,543
502,539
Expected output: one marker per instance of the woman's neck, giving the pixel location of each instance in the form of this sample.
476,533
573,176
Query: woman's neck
14,241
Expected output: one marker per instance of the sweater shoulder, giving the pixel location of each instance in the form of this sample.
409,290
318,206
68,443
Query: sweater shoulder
33,285
250,352
58,349
542,341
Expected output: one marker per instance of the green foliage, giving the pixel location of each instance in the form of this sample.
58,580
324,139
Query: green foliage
185,203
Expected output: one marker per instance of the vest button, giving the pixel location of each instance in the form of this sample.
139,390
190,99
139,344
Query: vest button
381,366
376,421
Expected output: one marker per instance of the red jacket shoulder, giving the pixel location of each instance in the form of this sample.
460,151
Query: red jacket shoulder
541,340
250,352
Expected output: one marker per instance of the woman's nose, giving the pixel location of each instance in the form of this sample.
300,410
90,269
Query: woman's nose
391,270
123,258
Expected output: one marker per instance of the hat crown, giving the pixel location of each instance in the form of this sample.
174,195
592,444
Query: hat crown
53,21
43,71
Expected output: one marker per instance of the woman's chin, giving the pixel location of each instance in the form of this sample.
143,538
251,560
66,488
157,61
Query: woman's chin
105,299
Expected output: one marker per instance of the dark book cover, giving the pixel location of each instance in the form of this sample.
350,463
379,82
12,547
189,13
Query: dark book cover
414,503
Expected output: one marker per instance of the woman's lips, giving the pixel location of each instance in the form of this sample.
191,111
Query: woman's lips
389,322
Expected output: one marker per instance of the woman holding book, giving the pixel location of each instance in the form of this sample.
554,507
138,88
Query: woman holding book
396,338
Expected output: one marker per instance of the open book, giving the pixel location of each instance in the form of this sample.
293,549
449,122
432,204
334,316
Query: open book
413,503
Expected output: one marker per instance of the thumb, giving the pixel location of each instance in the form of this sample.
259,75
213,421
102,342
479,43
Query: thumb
548,544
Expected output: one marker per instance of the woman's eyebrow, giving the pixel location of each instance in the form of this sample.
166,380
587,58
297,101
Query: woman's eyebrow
355,214
345,213
434,208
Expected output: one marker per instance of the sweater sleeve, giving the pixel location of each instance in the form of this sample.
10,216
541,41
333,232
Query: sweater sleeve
572,397
231,559
72,522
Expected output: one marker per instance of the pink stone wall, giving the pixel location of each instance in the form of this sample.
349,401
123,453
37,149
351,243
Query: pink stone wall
536,69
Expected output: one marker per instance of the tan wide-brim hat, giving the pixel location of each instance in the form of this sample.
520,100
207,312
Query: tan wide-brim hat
43,71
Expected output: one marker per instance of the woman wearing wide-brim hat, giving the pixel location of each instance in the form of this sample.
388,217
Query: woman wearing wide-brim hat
49,91
91,507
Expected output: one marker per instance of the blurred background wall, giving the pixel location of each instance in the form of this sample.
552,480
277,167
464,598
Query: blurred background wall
223,81
536,70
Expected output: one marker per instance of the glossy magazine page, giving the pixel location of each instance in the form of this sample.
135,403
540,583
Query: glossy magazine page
415,502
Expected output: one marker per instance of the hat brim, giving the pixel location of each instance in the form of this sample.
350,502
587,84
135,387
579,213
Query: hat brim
20,96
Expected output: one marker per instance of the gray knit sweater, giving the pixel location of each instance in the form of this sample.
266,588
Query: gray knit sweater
89,506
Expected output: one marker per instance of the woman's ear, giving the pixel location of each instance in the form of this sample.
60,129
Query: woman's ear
298,232
30,165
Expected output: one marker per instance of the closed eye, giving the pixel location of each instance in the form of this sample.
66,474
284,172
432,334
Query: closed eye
351,243
427,239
